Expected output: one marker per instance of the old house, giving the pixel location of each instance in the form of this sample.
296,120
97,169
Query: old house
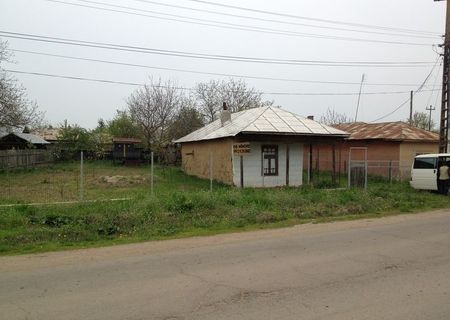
390,147
261,147
19,140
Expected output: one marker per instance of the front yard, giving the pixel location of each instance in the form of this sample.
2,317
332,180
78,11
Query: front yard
181,206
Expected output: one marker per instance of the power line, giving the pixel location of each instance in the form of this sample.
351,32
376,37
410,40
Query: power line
315,19
419,89
247,28
111,46
208,73
193,89
240,16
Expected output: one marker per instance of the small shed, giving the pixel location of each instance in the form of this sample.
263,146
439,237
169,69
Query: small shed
126,150
260,147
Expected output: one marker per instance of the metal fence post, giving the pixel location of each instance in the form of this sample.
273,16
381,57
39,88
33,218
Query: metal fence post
210,172
390,171
151,174
81,176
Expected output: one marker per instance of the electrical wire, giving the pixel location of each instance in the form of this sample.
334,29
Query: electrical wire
208,73
193,89
419,89
120,47
312,19
434,85
247,28
242,17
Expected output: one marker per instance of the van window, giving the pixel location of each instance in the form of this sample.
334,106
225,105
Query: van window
425,163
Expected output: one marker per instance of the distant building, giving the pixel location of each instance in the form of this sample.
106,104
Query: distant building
127,150
19,140
260,147
49,134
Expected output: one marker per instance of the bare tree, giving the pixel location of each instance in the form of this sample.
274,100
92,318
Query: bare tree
16,110
152,107
332,117
422,120
235,93
209,99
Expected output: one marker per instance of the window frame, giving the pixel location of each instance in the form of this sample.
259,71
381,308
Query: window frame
272,158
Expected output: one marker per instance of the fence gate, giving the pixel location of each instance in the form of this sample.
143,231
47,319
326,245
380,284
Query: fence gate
357,167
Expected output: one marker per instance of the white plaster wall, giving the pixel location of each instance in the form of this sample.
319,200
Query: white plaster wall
252,166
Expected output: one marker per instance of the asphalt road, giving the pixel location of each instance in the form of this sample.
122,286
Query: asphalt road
390,268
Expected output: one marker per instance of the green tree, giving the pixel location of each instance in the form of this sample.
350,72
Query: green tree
188,119
71,140
122,125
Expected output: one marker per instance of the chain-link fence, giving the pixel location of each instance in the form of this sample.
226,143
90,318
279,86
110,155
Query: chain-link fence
27,181
321,170
88,180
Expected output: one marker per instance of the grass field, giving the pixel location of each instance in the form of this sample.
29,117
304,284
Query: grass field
181,206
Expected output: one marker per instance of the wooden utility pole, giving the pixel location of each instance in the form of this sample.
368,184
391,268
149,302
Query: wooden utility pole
445,114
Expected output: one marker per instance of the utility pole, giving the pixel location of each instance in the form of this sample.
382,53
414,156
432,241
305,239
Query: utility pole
411,107
429,119
445,112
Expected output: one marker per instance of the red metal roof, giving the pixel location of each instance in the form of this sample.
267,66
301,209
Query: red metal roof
398,131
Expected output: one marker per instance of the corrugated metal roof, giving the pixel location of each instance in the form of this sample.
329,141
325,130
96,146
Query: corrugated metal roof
262,120
399,131
30,138
48,134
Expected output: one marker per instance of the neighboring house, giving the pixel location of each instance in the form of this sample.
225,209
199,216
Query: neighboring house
126,150
18,140
50,134
390,146
268,147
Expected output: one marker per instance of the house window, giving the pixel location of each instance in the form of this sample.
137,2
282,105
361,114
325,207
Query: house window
269,160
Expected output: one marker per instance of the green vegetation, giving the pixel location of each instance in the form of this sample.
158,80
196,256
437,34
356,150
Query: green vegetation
182,206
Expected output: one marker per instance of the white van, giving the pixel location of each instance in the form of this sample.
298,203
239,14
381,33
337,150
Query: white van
424,170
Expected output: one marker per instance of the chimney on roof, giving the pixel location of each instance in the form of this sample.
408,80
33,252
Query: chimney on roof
310,117
225,115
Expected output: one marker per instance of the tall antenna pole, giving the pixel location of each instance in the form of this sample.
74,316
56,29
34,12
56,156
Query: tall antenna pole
411,103
359,96
445,114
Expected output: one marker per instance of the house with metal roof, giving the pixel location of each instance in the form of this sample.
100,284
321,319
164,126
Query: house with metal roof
19,140
260,147
390,146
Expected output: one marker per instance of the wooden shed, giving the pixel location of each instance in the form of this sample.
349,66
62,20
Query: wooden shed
127,150
260,147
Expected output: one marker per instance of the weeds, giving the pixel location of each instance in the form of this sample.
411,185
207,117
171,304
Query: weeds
183,206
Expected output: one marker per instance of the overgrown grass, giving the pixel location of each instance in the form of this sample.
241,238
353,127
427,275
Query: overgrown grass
183,206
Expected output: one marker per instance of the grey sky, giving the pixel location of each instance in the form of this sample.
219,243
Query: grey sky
84,102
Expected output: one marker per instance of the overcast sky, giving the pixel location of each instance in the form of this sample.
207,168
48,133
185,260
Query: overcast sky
286,36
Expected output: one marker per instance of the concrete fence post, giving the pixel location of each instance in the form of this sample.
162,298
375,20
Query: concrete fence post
151,174
81,176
